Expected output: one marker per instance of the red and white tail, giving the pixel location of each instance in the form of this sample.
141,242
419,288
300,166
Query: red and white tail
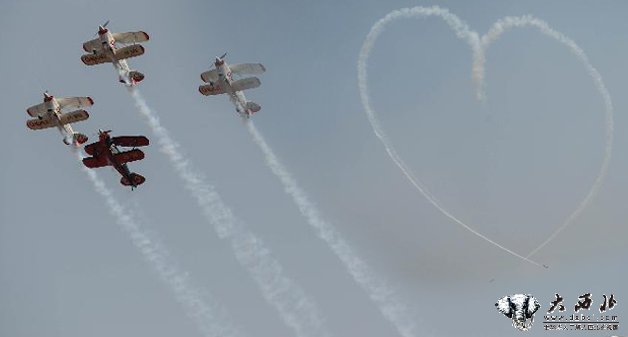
136,76
137,180
131,78
252,107
77,139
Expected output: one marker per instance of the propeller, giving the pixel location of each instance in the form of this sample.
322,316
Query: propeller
219,60
101,27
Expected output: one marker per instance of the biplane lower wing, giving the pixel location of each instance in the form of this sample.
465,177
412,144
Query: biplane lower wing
38,124
73,117
95,162
128,156
245,84
93,59
128,52
210,90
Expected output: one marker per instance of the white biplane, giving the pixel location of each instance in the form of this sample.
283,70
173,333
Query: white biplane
221,81
50,114
103,49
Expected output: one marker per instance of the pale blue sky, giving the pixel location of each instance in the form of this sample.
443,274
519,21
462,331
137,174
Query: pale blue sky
513,167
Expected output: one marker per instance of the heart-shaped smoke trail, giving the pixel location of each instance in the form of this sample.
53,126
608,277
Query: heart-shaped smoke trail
507,23
296,309
211,321
478,47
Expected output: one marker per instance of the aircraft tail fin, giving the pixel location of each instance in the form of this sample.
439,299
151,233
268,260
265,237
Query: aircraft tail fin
136,76
136,180
252,107
79,138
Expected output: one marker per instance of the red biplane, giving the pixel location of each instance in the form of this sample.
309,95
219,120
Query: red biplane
105,152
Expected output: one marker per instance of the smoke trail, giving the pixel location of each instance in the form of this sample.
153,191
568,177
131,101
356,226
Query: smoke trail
296,309
507,23
209,321
462,31
376,288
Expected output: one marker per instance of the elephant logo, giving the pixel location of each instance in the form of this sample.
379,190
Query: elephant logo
520,308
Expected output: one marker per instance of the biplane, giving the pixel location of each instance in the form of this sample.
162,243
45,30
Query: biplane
103,49
221,81
51,113
105,152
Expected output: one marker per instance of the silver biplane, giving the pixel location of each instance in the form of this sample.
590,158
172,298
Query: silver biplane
103,49
221,81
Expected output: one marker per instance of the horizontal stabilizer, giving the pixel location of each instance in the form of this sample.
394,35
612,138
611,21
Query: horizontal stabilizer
252,107
79,138
136,180
246,83
136,76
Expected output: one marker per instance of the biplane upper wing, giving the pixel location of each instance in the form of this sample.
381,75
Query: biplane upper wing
73,117
247,68
38,124
37,110
95,162
130,141
93,59
75,102
209,90
128,156
210,76
95,149
92,45
130,37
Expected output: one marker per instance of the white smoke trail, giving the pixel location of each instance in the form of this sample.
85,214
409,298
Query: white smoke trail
211,322
507,23
462,31
295,308
479,47
376,288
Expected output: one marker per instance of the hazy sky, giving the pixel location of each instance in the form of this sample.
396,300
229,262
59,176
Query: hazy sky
513,167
